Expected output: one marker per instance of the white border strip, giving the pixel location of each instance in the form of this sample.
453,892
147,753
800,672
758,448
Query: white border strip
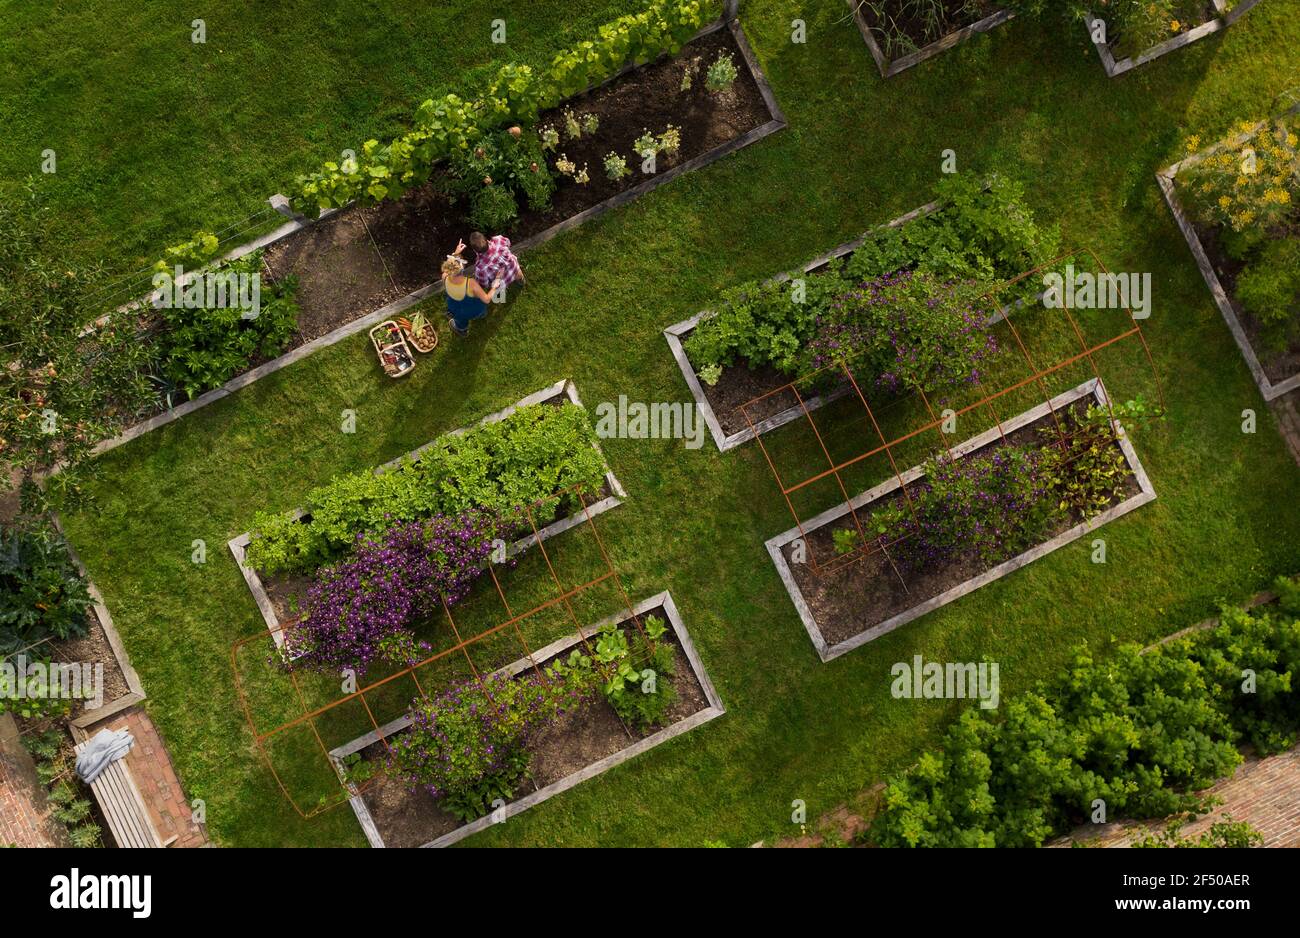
827,652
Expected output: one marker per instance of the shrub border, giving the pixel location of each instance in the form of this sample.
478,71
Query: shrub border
675,334
775,122
890,67
714,710
1165,177
239,545
1092,387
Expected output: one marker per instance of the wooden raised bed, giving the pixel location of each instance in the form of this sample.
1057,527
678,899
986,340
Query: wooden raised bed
720,404
388,253
1219,18
560,389
890,67
391,814
825,601
1267,371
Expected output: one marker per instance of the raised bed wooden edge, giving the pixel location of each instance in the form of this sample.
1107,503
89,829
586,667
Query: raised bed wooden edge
776,122
1165,178
714,710
1093,387
891,67
1222,19
676,333
239,545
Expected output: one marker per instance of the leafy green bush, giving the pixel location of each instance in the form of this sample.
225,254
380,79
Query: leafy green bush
1269,287
525,460
983,233
42,594
763,323
203,348
469,745
1142,732
634,668
495,174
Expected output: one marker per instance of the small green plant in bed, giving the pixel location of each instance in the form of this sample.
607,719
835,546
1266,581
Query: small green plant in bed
202,348
721,75
634,668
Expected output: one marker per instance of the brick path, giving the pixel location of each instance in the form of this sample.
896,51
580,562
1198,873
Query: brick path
1265,793
1287,410
155,776
24,812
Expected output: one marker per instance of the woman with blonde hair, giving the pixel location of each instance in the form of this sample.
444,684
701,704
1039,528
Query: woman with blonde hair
466,299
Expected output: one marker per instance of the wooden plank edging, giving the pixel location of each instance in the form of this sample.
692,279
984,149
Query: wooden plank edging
238,545
827,651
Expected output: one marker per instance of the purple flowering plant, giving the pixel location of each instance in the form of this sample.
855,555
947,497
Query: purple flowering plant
985,506
469,745
361,609
913,331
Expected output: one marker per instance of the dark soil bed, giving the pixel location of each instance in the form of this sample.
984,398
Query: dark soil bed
360,259
407,818
856,594
901,33
1278,363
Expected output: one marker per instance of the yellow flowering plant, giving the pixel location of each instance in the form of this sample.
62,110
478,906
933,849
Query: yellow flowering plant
1249,184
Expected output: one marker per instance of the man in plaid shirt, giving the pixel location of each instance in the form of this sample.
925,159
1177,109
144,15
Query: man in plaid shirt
495,260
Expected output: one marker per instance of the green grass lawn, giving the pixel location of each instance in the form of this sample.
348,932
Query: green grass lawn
157,136
1025,101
